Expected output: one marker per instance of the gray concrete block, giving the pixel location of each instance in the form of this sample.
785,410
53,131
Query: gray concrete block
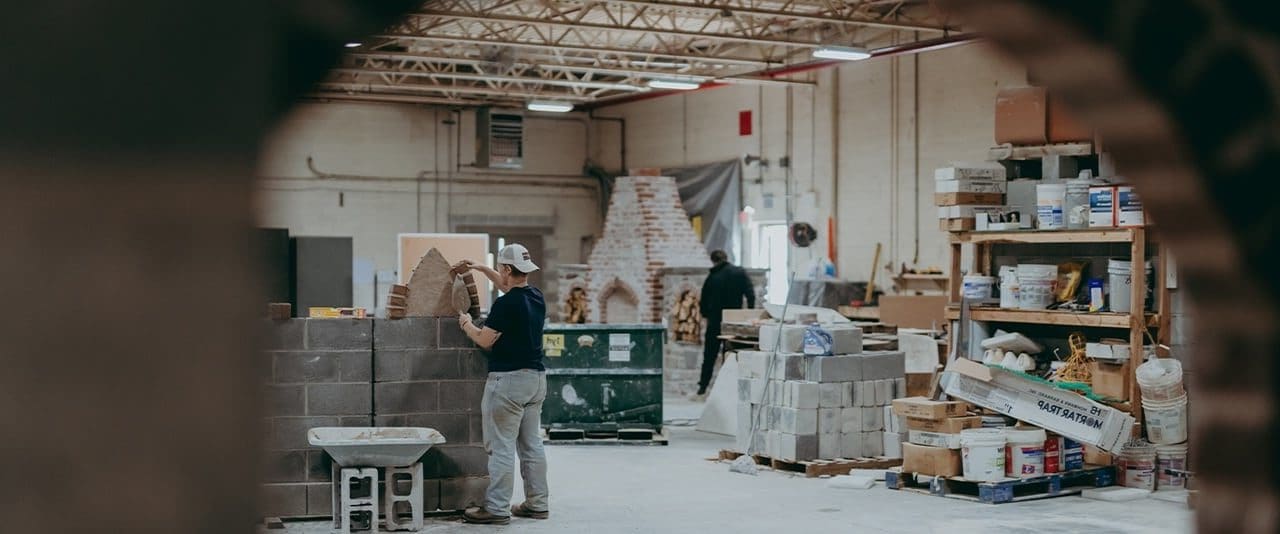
285,466
461,396
291,432
319,499
451,461
284,500
455,427
356,420
872,418
476,422
435,364
339,399
883,364
828,369
355,366
774,391
390,398
463,492
340,334
390,420
884,392
850,420
829,420
834,394
430,495
797,421
801,395
795,447
391,365
789,366
851,445
473,363
319,466
873,443
407,333
451,335
304,367
845,339
284,335
829,445
285,401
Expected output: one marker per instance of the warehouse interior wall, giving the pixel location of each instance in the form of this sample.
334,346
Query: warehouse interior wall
403,168
865,136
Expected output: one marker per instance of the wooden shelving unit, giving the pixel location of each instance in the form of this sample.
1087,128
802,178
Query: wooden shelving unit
1137,324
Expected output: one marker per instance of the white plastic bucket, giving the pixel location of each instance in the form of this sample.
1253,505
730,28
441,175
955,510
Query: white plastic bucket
1166,420
1138,466
1160,380
1050,206
1171,457
1008,286
1036,283
1024,454
1120,274
976,286
982,452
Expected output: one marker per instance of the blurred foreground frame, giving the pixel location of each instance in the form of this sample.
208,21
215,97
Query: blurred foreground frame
129,400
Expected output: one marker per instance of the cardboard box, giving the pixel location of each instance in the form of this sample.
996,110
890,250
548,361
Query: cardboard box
1022,116
967,199
923,408
970,186
914,311
970,171
1110,380
967,212
950,425
1096,456
918,384
1063,127
934,461
1060,411
956,225
934,439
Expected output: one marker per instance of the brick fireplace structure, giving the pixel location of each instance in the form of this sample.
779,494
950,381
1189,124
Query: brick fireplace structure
647,261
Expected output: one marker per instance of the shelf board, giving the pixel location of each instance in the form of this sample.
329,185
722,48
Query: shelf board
1099,235
997,153
912,276
1051,317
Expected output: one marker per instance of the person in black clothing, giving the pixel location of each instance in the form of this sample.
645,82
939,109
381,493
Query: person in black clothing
726,286
511,409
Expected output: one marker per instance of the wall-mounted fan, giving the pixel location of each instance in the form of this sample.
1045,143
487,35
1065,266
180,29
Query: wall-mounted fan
803,234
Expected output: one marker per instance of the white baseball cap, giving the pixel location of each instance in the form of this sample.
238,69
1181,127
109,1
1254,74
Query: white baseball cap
517,256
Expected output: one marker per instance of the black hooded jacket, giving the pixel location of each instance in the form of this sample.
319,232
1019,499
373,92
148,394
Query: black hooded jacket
726,286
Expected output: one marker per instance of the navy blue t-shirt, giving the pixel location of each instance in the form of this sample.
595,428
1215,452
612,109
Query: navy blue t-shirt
518,315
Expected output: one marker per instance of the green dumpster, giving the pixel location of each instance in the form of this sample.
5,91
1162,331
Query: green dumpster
602,377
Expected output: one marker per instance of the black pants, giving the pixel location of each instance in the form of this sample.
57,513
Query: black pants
710,351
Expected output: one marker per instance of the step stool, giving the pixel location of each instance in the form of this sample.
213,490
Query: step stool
345,505
396,476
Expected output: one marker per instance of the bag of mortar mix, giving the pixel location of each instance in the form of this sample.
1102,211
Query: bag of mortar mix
817,342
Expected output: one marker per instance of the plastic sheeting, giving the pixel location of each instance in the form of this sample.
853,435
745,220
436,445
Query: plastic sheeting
714,192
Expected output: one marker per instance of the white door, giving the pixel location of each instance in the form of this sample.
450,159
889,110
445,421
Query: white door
770,250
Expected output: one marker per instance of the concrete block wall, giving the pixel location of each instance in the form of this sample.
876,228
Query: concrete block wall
371,372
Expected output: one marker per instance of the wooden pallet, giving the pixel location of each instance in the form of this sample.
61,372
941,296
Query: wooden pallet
621,436
816,468
1003,491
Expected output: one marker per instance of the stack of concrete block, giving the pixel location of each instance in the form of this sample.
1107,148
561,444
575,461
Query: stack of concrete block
796,407
419,371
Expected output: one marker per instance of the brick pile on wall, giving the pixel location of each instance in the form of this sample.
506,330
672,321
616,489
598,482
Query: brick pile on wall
645,231
418,371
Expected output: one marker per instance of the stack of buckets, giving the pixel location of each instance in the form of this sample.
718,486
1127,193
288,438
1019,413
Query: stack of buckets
991,454
1164,406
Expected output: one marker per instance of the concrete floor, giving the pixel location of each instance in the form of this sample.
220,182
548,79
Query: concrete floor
675,489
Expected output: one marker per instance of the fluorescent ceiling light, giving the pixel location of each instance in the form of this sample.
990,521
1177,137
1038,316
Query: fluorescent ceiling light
352,44
550,106
679,85
846,53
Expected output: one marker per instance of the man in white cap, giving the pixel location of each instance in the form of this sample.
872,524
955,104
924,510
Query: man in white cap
513,395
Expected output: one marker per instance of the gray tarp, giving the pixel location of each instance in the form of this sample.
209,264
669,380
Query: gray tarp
714,192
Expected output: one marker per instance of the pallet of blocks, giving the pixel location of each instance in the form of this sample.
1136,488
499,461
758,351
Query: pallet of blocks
797,411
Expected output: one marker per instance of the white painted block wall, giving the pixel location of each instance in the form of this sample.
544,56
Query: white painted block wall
385,147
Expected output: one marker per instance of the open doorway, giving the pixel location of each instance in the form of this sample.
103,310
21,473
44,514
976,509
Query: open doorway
531,238
769,250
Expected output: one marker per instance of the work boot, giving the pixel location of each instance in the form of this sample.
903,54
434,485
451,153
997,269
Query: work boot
522,510
480,516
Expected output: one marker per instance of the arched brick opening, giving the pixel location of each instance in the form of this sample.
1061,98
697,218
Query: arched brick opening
619,304
1184,95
